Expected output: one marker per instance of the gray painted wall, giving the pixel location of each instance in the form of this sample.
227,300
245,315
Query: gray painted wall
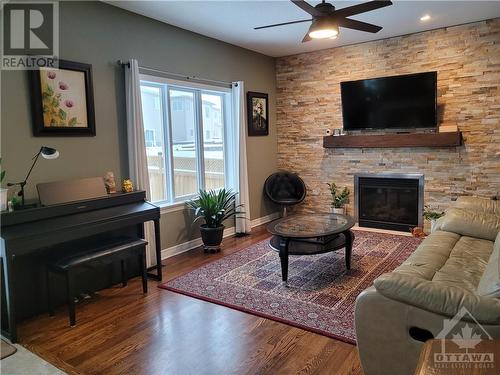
100,34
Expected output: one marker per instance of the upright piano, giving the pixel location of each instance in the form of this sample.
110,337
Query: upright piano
31,236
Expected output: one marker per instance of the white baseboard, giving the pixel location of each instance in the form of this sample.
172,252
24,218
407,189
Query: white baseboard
264,219
189,245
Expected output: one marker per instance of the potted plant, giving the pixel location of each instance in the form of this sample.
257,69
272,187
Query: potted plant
432,216
214,206
3,192
339,199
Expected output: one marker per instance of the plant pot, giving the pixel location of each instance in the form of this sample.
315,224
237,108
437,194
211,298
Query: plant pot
433,225
429,226
339,210
3,199
211,237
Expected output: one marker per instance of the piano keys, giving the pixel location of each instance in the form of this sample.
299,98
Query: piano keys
29,237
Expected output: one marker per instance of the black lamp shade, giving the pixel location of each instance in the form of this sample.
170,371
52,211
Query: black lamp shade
49,152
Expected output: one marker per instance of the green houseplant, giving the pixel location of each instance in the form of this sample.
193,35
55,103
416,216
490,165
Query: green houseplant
214,206
339,198
431,215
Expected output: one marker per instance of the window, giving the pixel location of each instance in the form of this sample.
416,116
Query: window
189,138
176,104
149,136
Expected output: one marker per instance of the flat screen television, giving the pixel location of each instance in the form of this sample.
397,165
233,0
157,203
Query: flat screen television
398,102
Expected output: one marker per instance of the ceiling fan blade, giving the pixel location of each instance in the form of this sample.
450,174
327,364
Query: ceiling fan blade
359,25
361,8
307,38
281,24
306,7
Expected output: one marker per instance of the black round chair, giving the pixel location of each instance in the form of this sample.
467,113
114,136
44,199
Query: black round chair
285,188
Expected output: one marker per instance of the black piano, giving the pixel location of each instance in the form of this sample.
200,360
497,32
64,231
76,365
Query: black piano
31,236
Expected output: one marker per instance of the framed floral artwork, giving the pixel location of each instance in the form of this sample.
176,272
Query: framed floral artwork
63,100
257,113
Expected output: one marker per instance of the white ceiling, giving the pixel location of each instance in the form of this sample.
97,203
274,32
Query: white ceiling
233,21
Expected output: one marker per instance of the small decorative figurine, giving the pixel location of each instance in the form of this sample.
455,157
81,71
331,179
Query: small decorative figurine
127,186
418,232
109,181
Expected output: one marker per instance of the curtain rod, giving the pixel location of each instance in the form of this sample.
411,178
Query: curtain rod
188,78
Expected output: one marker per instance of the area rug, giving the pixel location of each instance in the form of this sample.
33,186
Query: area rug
320,294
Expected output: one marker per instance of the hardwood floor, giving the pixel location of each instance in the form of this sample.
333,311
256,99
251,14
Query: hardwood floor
122,331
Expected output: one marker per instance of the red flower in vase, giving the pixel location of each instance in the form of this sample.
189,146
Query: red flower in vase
51,75
63,86
69,103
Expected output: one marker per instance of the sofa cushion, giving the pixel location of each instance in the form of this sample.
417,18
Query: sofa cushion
449,259
489,285
478,204
470,223
432,296
466,264
430,255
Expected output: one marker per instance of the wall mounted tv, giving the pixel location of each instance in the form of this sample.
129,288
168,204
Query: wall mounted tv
397,103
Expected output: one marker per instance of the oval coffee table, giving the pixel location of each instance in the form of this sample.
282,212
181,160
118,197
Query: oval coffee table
308,234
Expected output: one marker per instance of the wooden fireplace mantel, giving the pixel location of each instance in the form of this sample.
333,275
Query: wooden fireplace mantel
448,139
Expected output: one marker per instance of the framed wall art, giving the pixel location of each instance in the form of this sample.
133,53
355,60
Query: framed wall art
63,100
258,113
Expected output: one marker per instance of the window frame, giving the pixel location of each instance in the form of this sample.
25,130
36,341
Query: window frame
166,85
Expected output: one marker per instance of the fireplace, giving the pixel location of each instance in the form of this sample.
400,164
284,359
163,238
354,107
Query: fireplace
389,201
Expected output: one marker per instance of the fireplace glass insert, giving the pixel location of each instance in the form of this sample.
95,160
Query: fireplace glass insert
389,202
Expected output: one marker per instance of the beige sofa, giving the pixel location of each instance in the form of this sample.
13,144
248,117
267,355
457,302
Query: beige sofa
456,266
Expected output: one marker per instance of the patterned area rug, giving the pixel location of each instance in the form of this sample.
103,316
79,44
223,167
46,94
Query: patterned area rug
320,294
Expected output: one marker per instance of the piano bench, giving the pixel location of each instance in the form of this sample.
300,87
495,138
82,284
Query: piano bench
121,250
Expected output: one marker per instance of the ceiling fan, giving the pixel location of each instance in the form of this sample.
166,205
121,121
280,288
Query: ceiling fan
326,20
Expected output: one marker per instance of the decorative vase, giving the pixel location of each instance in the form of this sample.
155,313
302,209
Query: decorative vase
3,199
338,210
211,237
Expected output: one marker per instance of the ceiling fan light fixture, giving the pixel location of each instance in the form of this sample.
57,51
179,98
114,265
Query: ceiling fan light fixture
323,34
323,28
326,19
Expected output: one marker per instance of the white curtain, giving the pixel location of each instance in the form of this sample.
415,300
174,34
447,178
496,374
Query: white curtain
137,160
240,125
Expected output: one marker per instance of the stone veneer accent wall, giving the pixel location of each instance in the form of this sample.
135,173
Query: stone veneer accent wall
467,59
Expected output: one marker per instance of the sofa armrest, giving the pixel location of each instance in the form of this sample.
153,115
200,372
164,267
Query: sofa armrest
436,297
380,322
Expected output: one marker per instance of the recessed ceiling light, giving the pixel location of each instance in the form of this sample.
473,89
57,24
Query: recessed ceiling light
425,17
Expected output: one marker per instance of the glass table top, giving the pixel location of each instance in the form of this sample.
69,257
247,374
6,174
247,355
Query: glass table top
310,225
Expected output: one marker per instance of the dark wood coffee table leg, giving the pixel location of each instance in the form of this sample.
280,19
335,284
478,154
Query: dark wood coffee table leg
349,239
284,258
